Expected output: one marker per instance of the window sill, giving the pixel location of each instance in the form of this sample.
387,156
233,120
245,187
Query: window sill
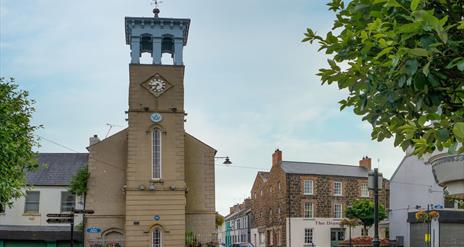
31,214
309,194
156,181
338,195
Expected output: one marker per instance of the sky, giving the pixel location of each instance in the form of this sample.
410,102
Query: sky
250,84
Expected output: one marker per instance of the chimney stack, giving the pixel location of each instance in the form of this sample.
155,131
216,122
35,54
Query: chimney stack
276,157
94,139
366,163
247,203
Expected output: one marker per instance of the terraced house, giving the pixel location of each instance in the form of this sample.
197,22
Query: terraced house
302,203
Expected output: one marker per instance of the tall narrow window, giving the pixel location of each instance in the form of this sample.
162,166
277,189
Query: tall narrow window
308,187
156,153
156,238
68,201
364,190
308,209
338,211
337,188
32,202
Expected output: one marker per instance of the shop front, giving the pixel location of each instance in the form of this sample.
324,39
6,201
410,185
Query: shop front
318,232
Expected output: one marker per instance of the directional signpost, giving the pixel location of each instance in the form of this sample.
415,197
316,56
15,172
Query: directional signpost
67,219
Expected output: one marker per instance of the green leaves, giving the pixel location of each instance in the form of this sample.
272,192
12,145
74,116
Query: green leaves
405,69
414,4
458,130
78,185
16,140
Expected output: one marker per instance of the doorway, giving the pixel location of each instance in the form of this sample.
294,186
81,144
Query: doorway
337,235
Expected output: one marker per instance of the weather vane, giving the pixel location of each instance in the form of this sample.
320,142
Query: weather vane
156,10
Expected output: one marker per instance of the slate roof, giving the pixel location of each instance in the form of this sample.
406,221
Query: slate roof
57,168
323,169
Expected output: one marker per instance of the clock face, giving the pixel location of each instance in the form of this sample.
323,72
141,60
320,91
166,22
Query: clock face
156,85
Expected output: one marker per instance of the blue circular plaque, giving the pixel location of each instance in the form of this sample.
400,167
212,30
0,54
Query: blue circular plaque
93,229
157,217
156,117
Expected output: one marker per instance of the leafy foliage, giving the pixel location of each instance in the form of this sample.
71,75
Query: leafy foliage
219,219
402,62
364,211
78,185
16,140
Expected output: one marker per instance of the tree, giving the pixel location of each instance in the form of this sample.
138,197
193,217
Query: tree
16,140
402,62
364,211
78,185
219,219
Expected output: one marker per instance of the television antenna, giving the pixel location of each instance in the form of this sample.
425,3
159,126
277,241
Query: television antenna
110,127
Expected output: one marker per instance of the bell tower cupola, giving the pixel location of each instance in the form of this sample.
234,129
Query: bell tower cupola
156,36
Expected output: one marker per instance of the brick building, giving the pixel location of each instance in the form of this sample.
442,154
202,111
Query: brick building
314,196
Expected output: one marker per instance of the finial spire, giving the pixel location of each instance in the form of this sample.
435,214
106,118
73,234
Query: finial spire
156,10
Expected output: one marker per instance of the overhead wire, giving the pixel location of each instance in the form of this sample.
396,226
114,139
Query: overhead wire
75,151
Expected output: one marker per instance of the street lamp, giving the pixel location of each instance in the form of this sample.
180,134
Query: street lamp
226,160
374,183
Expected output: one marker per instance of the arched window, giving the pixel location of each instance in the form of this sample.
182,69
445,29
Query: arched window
156,240
156,153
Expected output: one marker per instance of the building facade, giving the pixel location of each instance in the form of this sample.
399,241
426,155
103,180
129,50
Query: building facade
307,200
238,224
152,182
25,223
413,188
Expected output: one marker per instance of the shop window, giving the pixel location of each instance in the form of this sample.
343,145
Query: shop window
308,235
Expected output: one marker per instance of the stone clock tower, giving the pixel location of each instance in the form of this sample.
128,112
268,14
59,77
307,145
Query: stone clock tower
152,183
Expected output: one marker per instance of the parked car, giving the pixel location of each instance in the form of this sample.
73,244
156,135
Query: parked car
242,245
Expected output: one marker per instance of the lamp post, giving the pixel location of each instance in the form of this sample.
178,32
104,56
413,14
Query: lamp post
374,183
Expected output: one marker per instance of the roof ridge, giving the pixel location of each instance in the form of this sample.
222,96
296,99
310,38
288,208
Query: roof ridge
319,163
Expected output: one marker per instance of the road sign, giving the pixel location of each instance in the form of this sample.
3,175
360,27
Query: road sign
60,215
60,220
93,229
82,211
438,206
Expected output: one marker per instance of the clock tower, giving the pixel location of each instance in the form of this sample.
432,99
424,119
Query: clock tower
156,161
152,183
